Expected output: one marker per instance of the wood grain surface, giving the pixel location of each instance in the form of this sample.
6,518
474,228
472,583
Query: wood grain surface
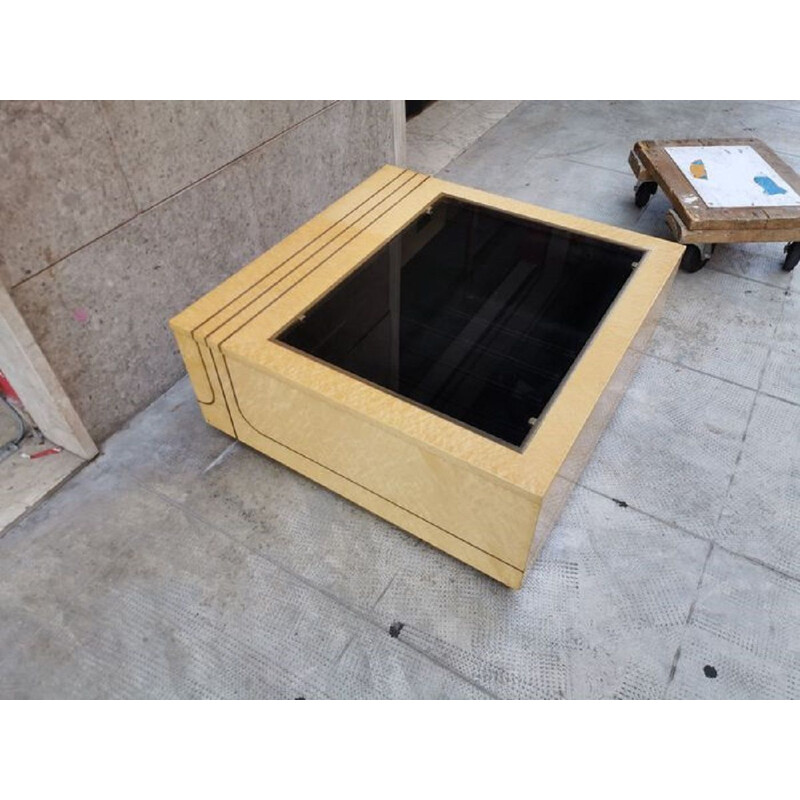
469,495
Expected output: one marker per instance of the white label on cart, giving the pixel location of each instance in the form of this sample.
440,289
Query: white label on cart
732,176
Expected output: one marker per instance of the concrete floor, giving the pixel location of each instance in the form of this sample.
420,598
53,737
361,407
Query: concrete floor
447,128
180,564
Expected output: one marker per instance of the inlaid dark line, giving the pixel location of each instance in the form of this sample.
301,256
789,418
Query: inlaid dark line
297,252
224,396
324,260
296,267
350,480
308,258
213,399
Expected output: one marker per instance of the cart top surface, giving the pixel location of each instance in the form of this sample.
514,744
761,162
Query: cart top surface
724,184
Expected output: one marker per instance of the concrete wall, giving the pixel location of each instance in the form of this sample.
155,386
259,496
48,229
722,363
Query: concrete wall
115,215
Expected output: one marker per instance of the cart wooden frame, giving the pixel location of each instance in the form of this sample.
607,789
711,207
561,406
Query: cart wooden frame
692,222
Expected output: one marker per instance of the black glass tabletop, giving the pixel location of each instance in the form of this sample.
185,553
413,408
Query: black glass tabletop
473,313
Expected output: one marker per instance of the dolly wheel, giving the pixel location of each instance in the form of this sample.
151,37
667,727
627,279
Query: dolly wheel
644,191
692,259
792,251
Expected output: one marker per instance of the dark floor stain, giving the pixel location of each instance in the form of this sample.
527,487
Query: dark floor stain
300,698
395,628
620,503
709,671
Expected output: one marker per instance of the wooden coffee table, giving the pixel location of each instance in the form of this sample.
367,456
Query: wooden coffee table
721,190
443,357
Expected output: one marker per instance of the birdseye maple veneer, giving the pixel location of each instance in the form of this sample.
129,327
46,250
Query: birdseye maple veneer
443,357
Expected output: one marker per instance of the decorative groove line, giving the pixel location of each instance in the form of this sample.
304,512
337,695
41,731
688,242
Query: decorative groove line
299,280
194,330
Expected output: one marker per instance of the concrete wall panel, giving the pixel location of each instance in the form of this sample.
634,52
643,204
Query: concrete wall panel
100,314
164,146
296,176
60,184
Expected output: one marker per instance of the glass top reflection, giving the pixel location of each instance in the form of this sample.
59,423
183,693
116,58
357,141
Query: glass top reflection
470,312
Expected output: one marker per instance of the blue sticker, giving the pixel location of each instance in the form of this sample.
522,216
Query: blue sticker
768,185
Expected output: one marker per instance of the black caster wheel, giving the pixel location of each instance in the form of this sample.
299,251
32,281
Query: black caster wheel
792,251
644,191
693,259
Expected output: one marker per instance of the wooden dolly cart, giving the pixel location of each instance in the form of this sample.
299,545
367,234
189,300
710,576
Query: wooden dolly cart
721,190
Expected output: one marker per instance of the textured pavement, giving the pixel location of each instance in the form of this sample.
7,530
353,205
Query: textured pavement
181,564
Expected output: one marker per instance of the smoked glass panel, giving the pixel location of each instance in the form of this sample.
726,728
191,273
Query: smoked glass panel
470,312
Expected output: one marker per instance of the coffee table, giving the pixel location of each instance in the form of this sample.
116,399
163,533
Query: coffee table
444,357
721,190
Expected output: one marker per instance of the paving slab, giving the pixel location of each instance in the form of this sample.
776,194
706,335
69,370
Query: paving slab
757,261
782,373
428,153
127,595
761,516
672,446
743,639
734,341
600,614
556,183
168,448
317,534
445,129
601,133
376,664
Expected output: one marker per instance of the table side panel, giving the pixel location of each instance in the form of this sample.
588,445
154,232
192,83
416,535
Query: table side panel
406,521
451,496
205,381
